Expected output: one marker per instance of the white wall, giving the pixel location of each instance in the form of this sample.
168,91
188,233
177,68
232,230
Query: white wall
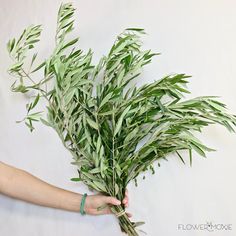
196,37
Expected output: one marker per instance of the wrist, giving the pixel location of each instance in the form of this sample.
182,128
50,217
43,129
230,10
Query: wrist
73,202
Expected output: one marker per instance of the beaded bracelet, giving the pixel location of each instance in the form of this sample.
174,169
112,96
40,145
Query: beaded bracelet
82,204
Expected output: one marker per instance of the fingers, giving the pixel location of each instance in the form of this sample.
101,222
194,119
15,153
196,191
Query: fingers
107,211
112,201
128,214
126,199
116,202
125,202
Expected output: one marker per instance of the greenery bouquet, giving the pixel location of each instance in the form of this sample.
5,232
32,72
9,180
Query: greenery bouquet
113,129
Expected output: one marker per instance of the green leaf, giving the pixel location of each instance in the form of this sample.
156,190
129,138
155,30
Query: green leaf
20,88
69,95
33,59
116,189
92,123
45,122
10,45
72,42
76,179
190,157
105,99
198,150
181,158
120,77
16,67
135,29
35,101
100,186
119,123
216,105
95,171
39,67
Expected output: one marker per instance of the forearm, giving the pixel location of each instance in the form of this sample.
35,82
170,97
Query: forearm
24,186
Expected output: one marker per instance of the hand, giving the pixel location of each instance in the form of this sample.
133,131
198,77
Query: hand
99,204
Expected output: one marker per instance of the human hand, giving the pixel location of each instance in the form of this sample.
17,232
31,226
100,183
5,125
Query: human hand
100,204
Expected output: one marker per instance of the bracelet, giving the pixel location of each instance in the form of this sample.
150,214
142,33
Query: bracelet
82,204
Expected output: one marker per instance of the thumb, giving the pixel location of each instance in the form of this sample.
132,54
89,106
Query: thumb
112,201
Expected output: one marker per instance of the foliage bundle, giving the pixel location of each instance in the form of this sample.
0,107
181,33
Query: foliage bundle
114,129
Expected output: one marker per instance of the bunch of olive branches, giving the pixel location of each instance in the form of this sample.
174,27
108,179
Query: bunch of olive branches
113,129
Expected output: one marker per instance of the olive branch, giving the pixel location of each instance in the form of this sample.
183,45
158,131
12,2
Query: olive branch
113,129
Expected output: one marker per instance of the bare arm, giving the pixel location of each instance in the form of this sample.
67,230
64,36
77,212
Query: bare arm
21,185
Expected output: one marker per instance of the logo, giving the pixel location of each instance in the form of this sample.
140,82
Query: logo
208,226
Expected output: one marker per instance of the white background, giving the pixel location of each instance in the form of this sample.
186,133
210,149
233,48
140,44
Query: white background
195,37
